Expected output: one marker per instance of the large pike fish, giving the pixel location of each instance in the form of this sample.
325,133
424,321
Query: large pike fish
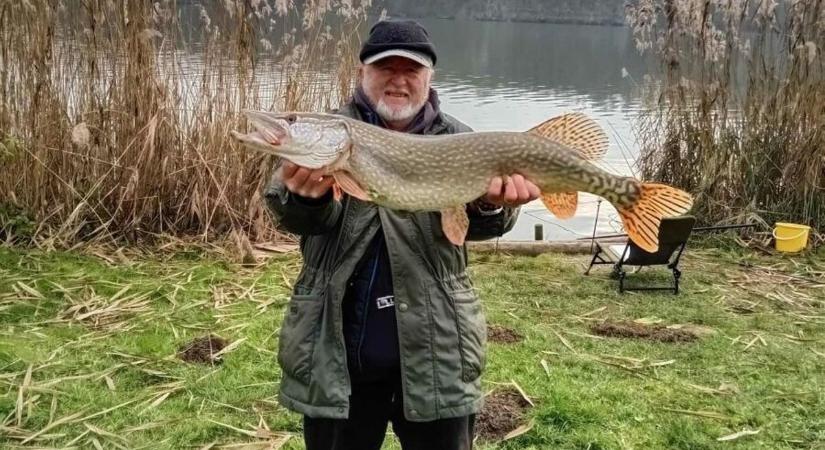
443,173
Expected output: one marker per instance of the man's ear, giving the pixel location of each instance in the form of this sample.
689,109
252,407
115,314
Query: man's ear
360,75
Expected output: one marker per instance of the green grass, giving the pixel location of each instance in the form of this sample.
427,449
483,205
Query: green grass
91,346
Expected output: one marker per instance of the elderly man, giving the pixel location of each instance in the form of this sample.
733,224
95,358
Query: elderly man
384,325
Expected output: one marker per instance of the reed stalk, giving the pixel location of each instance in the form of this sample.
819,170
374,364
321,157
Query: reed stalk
115,114
737,112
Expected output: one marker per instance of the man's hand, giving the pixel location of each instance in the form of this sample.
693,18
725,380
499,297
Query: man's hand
305,182
511,191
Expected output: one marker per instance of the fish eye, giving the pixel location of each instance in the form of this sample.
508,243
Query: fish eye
292,118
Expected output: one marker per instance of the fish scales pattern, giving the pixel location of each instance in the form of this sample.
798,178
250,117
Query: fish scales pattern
426,172
412,172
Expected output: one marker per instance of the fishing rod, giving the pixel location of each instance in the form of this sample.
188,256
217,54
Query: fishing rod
714,228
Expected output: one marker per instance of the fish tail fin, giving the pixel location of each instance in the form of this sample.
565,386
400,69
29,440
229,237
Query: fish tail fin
562,204
641,218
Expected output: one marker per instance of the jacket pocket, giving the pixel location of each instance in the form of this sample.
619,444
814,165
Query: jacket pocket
299,332
472,333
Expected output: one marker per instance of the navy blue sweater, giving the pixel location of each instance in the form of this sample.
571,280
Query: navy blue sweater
370,327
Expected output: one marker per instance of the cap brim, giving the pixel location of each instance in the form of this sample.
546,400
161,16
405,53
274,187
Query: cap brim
418,57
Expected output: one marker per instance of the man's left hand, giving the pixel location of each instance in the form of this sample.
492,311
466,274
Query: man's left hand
511,191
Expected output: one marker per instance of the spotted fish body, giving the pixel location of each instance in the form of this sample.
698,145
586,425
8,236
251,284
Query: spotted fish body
445,172
413,172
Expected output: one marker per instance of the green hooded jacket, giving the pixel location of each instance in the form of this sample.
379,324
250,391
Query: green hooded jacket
441,327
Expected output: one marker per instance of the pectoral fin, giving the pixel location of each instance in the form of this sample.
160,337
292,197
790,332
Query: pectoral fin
454,222
561,204
349,185
337,192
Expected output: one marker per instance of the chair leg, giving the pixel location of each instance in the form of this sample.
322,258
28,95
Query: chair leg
592,262
622,275
676,275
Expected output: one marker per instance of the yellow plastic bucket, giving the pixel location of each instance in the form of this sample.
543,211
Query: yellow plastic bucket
791,237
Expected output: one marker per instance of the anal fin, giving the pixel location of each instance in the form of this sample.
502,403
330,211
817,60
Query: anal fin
454,223
562,204
349,185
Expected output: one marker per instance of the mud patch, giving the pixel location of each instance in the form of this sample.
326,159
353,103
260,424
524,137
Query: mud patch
202,350
659,333
502,335
502,413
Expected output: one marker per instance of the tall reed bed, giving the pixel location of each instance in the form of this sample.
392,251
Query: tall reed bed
115,114
737,115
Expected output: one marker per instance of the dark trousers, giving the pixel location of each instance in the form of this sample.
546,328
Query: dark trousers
372,406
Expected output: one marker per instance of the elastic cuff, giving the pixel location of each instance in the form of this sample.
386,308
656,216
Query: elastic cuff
482,208
491,212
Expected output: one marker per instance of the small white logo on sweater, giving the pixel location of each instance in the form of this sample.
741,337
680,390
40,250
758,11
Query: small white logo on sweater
385,302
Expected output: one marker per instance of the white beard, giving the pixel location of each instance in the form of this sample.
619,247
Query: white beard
394,115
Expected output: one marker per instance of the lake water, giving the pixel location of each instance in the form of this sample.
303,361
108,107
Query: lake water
511,76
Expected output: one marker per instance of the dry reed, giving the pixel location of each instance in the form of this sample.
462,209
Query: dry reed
737,115
115,115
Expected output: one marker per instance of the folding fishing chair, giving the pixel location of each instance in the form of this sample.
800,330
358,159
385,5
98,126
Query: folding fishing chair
673,235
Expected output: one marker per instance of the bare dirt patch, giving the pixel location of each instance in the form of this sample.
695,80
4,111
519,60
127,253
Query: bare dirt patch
659,333
503,335
202,350
502,413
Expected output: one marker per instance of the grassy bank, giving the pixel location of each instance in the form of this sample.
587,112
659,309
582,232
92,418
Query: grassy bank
88,352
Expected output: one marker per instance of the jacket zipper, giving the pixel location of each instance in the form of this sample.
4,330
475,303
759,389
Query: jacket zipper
348,381
368,304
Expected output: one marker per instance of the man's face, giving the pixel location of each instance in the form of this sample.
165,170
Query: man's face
397,86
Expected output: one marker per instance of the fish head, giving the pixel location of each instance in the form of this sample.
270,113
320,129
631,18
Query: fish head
311,140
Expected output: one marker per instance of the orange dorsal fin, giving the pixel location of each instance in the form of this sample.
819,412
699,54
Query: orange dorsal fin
454,223
349,185
576,131
561,204
641,219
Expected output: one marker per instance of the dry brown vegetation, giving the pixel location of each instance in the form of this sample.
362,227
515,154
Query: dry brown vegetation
738,114
115,115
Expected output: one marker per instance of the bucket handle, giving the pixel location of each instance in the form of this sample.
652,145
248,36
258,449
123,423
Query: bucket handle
788,238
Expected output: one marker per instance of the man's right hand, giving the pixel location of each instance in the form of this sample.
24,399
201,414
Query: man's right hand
305,182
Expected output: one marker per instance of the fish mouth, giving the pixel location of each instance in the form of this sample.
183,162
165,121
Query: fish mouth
269,128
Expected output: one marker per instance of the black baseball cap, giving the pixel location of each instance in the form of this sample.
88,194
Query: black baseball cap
405,38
